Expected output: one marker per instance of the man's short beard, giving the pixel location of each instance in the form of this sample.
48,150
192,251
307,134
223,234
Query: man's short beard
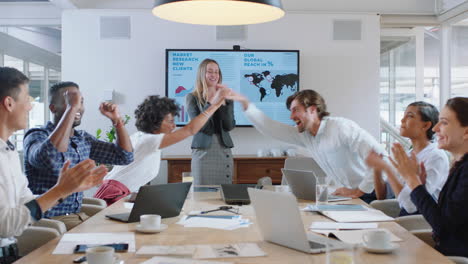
76,123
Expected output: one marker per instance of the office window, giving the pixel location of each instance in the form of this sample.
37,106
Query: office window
397,79
431,65
13,62
36,90
459,61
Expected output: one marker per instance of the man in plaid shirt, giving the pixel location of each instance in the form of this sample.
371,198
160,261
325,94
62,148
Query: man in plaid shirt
48,148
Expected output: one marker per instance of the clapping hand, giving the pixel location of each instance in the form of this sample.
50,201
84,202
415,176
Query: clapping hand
81,177
376,161
110,111
408,167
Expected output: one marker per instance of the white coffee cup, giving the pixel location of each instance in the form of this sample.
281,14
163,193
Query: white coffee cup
150,221
275,152
376,239
291,152
261,153
101,255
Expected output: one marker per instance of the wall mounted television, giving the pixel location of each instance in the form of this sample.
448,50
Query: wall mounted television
266,77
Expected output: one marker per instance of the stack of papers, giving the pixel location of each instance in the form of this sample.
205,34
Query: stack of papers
205,251
342,226
168,260
69,241
352,236
224,222
334,207
369,215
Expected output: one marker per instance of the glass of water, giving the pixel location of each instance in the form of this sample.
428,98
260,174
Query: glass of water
321,192
345,255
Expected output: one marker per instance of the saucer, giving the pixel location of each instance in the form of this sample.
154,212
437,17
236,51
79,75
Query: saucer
161,228
389,249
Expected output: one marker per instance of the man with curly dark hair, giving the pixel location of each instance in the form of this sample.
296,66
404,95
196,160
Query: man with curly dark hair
155,122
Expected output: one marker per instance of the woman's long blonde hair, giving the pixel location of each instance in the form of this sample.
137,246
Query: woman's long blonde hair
200,85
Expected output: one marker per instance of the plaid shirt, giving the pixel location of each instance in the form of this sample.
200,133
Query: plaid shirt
43,162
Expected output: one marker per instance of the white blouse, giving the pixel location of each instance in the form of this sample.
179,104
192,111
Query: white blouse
145,166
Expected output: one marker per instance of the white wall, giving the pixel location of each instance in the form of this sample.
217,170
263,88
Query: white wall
346,73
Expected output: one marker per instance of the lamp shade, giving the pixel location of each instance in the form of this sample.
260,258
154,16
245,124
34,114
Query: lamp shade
219,12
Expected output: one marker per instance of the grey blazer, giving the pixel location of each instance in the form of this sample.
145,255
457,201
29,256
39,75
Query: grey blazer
203,138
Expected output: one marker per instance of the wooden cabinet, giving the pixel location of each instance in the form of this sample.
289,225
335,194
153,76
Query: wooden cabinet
247,169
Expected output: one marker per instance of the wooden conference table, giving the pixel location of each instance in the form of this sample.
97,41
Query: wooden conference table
412,250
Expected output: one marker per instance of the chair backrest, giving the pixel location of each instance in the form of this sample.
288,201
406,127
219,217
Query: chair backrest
34,237
298,163
458,260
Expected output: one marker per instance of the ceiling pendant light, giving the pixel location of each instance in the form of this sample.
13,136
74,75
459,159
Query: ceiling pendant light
219,12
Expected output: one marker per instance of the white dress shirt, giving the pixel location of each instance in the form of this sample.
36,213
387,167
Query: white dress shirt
14,193
339,148
145,166
437,168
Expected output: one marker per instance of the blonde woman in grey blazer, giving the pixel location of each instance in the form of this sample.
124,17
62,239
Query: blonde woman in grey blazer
212,160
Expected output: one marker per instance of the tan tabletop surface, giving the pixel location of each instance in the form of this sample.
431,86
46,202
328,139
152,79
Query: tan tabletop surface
411,250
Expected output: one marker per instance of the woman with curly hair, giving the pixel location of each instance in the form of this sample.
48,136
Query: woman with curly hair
155,124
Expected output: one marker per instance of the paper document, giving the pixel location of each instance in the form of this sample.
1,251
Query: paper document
334,207
186,250
369,215
224,222
168,260
228,251
69,241
128,205
352,236
342,226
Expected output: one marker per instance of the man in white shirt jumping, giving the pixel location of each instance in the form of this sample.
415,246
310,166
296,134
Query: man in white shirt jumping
337,144
18,206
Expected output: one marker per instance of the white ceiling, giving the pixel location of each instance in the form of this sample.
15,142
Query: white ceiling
425,7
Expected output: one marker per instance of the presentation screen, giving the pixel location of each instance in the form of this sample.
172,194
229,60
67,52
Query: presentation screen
266,77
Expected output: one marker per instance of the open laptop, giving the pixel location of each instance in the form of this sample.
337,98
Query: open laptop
280,222
236,193
302,184
165,200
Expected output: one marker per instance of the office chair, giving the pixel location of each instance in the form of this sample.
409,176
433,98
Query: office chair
389,206
39,234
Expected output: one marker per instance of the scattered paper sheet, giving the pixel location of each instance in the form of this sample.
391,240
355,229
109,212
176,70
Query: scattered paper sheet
370,215
153,250
224,222
169,260
69,241
228,251
342,226
128,205
334,207
353,236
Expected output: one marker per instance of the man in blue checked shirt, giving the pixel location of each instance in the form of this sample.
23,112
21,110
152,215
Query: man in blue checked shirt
48,148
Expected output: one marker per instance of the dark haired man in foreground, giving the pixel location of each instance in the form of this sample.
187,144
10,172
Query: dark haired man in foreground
19,207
